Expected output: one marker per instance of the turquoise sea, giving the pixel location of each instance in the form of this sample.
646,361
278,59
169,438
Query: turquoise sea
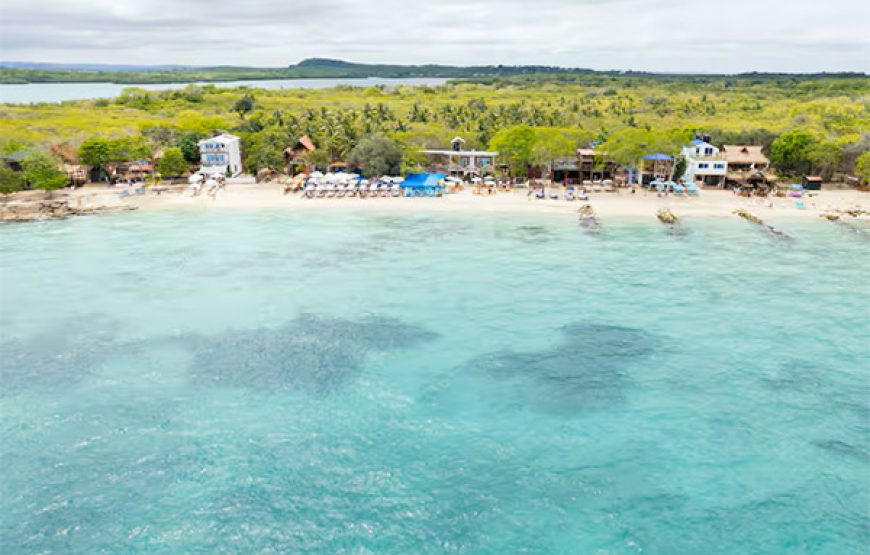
338,382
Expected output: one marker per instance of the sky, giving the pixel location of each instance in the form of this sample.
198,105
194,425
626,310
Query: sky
719,36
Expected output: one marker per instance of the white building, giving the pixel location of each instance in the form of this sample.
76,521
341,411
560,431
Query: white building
458,161
704,164
221,154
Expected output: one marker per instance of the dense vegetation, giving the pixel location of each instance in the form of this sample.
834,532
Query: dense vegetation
806,123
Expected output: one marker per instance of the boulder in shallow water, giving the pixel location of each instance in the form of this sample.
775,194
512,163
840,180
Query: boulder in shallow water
666,216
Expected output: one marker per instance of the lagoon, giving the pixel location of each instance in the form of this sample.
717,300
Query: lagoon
338,381
60,92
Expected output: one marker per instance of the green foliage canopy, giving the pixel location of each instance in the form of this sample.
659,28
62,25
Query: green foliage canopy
378,155
41,171
172,163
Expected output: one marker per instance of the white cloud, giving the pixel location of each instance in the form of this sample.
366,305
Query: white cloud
657,35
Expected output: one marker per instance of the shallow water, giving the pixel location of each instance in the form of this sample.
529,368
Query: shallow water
268,381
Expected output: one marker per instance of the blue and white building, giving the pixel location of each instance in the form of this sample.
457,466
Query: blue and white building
705,165
221,154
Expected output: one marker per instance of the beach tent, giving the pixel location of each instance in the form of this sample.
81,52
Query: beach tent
422,184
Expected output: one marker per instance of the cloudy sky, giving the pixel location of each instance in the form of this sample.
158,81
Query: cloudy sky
656,35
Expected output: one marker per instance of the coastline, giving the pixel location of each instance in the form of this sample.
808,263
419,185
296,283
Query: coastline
710,204
624,205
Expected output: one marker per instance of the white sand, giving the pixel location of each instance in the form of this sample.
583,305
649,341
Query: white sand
711,203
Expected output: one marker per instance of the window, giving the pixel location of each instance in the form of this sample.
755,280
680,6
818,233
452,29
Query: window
719,166
703,166
708,151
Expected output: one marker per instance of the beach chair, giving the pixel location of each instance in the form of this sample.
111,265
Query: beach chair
569,194
396,190
540,193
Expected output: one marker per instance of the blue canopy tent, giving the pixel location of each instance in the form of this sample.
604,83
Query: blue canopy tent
423,184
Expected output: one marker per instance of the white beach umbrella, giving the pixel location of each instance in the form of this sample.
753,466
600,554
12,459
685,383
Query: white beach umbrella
317,174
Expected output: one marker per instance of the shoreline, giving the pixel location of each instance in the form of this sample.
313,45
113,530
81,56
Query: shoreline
710,204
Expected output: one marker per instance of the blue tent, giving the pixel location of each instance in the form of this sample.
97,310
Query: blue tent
423,180
423,184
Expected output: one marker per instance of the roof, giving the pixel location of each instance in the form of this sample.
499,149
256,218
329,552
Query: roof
17,156
306,141
65,152
457,138
461,152
744,154
222,138
813,178
659,157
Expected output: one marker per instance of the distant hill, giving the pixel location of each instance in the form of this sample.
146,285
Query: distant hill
29,72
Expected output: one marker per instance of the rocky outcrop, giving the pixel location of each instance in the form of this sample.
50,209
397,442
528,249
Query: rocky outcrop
25,208
666,216
750,217
588,219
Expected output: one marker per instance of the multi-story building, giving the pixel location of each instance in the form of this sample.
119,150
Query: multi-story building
704,164
460,162
221,154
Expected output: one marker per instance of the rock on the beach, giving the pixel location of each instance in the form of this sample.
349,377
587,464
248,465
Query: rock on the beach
32,206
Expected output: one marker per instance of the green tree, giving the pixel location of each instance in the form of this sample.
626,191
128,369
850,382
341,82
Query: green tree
378,155
42,171
10,180
188,143
862,167
627,146
790,152
244,105
96,153
551,144
128,149
515,144
265,149
172,163
825,157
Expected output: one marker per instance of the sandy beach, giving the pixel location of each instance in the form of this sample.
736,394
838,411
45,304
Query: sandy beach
711,203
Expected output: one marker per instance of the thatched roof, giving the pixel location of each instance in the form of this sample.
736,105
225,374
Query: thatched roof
304,144
744,154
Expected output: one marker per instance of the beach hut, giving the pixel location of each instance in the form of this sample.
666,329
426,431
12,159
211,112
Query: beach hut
655,166
812,183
